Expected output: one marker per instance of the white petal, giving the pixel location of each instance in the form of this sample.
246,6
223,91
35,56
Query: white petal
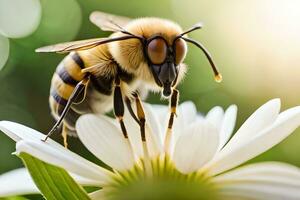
17,182
228,124
260,119
284,125
105,141
64,158
200,117
177,129
270,180
187,112
161,111
20,132
215,116
153,132
134,133
275,172
194,148
156,121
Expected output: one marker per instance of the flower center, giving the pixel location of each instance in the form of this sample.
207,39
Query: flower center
163,181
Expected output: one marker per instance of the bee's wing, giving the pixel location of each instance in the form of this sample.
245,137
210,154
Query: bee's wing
72,46
108,22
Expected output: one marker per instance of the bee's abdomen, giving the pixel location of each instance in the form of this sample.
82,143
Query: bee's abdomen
69,70
64,80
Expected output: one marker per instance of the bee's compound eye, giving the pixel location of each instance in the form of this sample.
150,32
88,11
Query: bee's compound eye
180,50
157,51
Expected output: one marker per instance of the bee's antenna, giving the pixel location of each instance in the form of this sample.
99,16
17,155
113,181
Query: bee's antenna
122,30
197,26
218,76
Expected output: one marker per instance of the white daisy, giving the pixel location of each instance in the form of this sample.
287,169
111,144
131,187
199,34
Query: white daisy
198,158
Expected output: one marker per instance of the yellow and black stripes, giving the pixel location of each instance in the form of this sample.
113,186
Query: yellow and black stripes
58,99
77,59
71,68
61,88
70,75
67,75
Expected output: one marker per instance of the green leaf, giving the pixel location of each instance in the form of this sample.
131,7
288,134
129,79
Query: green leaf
53,182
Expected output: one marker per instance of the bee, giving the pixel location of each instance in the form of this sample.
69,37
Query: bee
99,75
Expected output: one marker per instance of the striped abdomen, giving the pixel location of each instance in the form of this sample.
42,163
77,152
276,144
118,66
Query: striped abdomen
65,78
98,99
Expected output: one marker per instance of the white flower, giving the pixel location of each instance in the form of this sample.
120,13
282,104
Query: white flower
199,150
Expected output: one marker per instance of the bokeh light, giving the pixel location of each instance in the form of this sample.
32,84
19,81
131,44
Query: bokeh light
19,18
258,44
265,45
60,22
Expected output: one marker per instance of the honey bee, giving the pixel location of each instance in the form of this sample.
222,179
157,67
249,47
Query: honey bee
98,75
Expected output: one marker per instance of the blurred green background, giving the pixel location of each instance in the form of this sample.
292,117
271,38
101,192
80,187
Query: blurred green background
255,43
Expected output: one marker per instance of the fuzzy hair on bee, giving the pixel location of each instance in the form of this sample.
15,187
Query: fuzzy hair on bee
101,74
130,53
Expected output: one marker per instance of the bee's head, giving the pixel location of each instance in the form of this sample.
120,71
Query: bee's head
157,52
164,60
157,56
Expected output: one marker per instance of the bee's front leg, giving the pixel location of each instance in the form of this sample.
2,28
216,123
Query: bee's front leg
119,106
119,110
140,115
131,112
173,109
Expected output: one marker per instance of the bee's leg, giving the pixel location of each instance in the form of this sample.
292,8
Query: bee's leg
65,135
119,106
129,107
173,108
146,162
77,90
140,115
